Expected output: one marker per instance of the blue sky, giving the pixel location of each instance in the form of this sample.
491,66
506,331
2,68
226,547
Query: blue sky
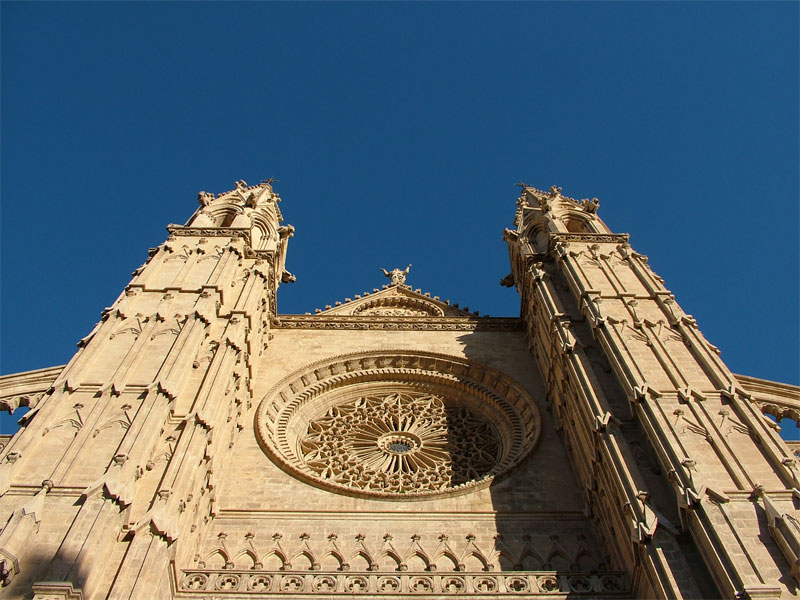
397,132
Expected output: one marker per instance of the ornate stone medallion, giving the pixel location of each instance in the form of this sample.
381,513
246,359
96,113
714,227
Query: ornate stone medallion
399,442
397,424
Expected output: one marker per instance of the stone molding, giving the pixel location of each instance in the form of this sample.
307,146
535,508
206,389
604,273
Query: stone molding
402,298
615,238
26,388
407,306
400,323
781,400
56,590
544,550
285,410
527,584
234,232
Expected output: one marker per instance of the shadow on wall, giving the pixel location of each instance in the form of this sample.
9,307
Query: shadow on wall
543,540
766,538
34,573
541,508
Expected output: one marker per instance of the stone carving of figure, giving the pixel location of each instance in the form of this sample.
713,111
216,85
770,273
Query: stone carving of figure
397,276
205,198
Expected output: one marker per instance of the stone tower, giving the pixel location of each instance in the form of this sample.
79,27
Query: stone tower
201,445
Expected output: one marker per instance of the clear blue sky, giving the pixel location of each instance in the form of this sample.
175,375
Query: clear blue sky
397,132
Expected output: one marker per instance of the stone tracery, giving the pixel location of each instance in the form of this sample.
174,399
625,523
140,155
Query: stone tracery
399,442
399,305
397,424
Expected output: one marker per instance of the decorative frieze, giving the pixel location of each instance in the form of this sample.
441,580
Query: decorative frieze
233,232
399,323
549,584
613,238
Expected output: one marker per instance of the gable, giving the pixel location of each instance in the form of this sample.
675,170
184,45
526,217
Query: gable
395,300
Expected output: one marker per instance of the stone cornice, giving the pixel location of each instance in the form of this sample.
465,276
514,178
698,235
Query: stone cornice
37,380
399,323
772,389
617,238
26,388
237,232
781,400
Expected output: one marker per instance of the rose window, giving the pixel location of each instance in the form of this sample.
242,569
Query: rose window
397,425
400,441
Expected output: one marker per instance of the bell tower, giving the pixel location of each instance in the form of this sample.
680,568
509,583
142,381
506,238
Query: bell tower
674,458
141,421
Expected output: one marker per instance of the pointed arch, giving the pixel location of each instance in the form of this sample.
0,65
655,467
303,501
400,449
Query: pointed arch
417,561
125,425
332,561
217,559
505,561
246,559
531,561
447,561
475,561
223,215
361,561
578,221
262,231
389,561
303,561
275,560
585,561
558,561
538,235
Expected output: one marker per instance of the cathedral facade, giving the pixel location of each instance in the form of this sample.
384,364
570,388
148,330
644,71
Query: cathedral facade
201,445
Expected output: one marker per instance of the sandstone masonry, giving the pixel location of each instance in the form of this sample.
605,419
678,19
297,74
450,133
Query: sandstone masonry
201,445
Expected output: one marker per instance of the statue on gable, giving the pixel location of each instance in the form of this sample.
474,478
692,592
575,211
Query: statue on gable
397,276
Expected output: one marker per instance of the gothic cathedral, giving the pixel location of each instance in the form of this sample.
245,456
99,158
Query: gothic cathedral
201,445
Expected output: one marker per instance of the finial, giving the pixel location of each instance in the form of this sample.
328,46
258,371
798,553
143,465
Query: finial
521,184
555,190
397,276
268,181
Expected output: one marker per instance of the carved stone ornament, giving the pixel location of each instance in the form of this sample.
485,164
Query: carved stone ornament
397,425
399,306
400,441
400,323
398,276
617,238
541,584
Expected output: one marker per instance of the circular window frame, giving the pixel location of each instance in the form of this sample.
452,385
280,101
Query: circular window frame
307,392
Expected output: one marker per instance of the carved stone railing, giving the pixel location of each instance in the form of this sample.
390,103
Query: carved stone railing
550,584
398,323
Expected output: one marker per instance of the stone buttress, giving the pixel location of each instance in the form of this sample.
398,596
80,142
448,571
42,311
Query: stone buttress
675,458
121,455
